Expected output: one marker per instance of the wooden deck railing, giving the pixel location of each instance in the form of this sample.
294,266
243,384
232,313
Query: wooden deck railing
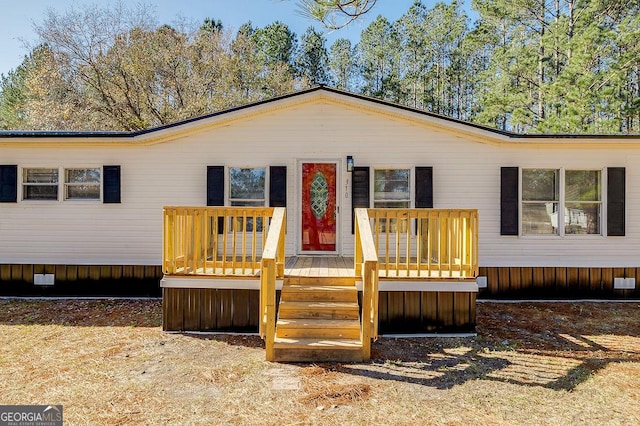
426,243
366,267
214,241
271,268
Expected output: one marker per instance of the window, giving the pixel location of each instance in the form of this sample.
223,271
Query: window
561,202
582,202
540,200
247,188
79,183
82,184
39,184
391,188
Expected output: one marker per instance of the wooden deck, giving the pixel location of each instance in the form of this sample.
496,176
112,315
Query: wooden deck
401,244
342,266
295,266
325,266
415,307
425,259
319,266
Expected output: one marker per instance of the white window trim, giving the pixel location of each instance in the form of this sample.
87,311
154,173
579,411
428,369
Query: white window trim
65,185
562,202
227,189
227,186
372,183
411,200
22,184
61,183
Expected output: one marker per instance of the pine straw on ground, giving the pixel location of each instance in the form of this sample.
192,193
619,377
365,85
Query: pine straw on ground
108,362
324,387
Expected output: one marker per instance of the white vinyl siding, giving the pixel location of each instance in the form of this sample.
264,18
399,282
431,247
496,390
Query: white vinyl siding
466,174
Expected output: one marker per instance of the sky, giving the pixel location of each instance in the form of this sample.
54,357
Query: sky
16,21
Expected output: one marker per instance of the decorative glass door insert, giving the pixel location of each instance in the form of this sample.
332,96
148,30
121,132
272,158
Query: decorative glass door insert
319,207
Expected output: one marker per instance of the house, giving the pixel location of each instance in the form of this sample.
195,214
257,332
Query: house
81,213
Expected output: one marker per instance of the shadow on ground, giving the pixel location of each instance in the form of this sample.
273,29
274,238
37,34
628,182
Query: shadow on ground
82,313
551,345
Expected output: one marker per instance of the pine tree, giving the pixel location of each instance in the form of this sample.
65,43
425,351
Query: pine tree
343,64
313,60
414,65
379,60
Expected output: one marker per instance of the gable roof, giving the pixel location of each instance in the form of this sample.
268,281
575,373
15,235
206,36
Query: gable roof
464,128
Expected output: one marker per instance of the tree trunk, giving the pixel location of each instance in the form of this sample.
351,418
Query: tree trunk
571,26
541,71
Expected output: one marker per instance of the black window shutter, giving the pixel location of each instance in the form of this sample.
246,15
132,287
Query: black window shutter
278,186
616,201
111,187
215,185
360,192
215,190
424,187
509,201
8,184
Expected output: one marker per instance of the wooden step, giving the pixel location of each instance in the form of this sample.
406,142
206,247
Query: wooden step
318,328
319,309
327,293
317,350
318,320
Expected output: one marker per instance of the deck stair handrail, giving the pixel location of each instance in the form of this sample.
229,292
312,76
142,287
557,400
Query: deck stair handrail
366,268
214,241
272,266
426,243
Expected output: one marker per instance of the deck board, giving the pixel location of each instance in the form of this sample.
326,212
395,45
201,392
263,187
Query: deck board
318,266
326,266
342,266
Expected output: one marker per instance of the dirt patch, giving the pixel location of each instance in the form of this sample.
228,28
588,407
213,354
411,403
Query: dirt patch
108,362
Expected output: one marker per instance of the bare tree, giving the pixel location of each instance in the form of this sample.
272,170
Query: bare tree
115,68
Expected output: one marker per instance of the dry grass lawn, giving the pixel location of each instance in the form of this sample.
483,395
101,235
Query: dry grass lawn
109,363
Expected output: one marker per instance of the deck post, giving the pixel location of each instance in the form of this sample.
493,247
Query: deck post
474,237
168,242
281,247
365,330
269,277
357,256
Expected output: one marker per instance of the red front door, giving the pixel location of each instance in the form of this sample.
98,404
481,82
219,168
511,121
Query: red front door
319,207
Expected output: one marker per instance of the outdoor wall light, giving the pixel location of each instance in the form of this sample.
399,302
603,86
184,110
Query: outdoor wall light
349,163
